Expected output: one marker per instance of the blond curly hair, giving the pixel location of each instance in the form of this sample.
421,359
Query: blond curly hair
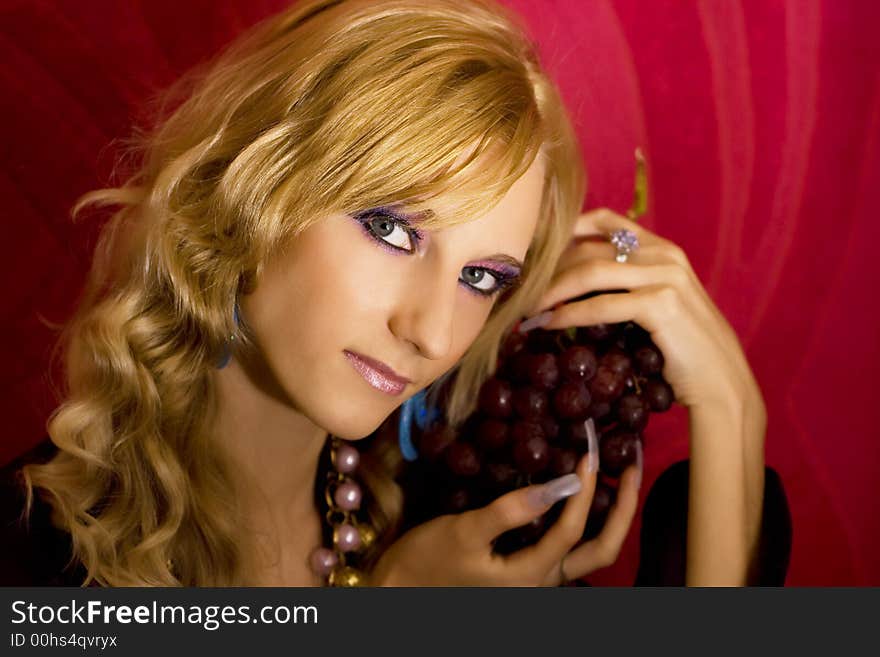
330,106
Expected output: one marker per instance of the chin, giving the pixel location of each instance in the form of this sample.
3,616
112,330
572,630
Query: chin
350,427
353,411
354,430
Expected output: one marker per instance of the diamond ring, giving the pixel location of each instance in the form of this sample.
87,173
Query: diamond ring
626,242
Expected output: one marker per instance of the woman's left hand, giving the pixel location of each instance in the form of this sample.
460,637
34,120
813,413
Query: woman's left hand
704,362
708,372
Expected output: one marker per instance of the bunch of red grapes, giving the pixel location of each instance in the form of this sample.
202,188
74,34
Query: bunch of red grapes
551,390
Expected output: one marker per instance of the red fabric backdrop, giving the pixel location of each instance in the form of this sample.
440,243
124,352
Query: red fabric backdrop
760,121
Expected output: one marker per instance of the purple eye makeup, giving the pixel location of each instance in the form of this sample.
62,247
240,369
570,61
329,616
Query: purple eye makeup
503,274
394,232
380,224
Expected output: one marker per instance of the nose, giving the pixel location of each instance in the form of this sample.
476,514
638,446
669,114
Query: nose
425,312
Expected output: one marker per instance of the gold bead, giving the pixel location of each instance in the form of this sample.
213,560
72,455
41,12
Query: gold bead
368,536
346,576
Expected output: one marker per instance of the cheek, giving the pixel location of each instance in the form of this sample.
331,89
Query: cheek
470,321
338,274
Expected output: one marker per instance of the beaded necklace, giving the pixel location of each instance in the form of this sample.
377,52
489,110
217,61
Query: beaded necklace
343,496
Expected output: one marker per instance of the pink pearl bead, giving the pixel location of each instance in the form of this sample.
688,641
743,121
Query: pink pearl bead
323,560
347,459
348,496
348,538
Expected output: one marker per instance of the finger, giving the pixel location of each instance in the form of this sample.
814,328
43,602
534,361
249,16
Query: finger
603,550
657,294
603,222
650,307
565,532
600,274
579,253
582,251
481,526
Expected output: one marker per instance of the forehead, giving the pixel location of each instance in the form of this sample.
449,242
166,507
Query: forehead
510,223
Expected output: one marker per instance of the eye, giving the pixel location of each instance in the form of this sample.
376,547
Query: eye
392,232
388,229
484,281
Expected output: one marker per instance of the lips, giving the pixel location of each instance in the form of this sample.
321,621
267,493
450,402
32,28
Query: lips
377,374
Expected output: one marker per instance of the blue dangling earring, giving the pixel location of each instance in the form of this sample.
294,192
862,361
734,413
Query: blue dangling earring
227,351
414,408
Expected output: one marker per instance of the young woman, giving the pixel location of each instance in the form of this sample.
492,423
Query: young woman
353,203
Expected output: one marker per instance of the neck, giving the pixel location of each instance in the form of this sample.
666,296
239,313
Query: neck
273,450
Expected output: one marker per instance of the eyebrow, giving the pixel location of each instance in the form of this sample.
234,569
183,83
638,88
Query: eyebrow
503,257
417,218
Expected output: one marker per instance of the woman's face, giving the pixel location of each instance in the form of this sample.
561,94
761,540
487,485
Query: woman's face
357,288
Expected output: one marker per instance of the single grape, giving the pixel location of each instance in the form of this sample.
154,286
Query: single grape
603,497
648,360
658,394
551,428
572,400
562,461
434,441
617,360
492,434
500,475
617,451
513,343
462,459
458,500
543,371
578,363
632,412
532,454
526,429
529,402
496,398
600,410
575,436
607,385
596,333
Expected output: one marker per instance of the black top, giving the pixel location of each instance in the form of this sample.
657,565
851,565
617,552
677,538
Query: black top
34,552
38,554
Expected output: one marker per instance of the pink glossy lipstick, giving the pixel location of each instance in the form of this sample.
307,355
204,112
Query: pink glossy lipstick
377,374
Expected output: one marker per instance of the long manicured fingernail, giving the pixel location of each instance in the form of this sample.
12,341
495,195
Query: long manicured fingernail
593,446
640,463
536,322
556,489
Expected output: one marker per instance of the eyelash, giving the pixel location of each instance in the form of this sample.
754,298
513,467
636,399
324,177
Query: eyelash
504,281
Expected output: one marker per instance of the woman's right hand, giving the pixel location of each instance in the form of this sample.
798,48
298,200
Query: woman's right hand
456,550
